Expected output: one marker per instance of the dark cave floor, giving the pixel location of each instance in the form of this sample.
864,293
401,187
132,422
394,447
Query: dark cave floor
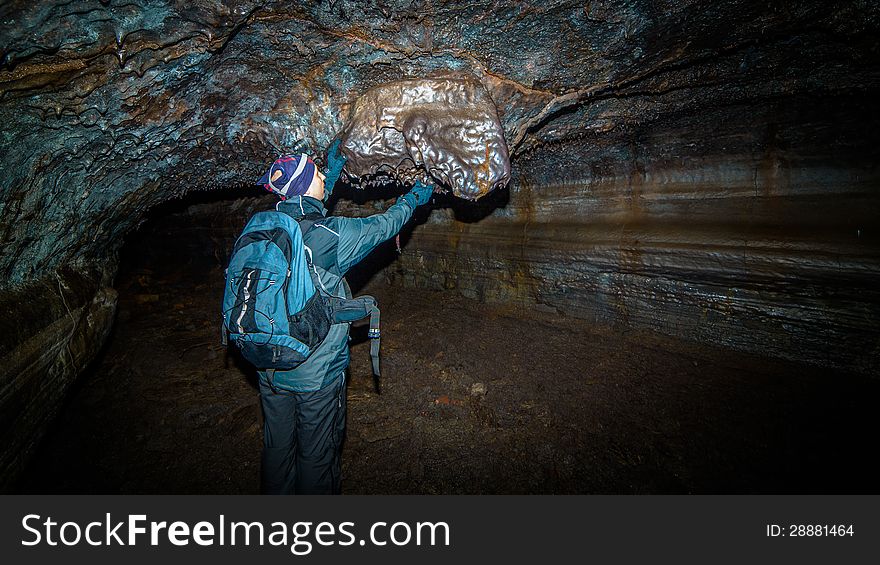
474,399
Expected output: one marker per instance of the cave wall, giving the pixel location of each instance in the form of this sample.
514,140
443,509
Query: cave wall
707,169
54,329
755,236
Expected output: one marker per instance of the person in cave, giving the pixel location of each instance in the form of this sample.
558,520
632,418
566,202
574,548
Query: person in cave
304,409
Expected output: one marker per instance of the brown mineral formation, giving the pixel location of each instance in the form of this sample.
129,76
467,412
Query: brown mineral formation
446,126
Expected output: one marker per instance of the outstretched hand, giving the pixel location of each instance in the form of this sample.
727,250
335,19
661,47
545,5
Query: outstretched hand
335,162
335,159
422,193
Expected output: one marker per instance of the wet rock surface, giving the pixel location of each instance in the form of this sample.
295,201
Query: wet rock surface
113,108
445,127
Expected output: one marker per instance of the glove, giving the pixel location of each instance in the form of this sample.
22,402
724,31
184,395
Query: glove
419,195
335,162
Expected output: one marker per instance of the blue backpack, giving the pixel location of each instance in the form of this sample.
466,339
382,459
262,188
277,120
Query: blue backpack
271,308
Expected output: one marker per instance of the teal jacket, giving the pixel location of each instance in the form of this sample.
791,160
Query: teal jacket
336,244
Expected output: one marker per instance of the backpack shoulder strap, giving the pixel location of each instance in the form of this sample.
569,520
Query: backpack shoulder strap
307,222
324,243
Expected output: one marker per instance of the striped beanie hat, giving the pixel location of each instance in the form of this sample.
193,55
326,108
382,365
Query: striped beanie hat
297,172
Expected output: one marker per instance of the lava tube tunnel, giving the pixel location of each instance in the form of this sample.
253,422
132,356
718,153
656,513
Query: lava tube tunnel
617,246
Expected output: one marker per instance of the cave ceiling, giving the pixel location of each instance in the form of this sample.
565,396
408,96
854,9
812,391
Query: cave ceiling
110,108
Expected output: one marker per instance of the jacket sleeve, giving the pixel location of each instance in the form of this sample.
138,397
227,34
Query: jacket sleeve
359,236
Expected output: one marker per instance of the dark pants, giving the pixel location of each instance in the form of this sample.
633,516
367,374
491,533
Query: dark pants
302,439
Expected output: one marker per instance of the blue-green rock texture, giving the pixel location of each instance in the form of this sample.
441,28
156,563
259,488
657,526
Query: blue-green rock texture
703,168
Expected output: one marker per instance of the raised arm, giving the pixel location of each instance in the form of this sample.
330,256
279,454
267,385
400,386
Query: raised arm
359,236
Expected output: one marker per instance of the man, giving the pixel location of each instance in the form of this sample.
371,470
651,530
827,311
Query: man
304,409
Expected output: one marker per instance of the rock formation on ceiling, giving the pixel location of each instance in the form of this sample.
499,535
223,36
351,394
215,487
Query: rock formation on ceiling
438,129
706,169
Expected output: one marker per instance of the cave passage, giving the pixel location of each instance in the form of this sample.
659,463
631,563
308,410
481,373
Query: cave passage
474,397
652,267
